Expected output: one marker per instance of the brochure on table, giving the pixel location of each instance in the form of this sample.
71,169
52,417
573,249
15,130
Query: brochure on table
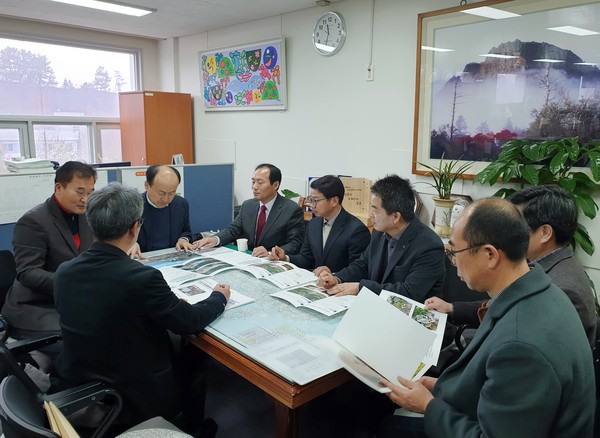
311,296
376,340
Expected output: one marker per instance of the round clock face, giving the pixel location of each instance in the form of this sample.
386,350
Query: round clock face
329,34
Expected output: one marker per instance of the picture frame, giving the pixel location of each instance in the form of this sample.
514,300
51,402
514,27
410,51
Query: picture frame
477,88
250,76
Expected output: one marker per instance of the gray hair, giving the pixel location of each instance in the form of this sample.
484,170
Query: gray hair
112,210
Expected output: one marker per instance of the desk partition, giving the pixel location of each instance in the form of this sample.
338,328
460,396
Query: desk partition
208,189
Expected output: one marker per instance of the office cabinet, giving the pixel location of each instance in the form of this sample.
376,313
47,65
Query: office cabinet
155,125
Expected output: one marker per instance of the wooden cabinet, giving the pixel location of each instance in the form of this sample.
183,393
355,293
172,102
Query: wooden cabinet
155,125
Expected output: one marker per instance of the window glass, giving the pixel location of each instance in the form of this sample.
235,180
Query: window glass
58,80
108,149
10,145
62,142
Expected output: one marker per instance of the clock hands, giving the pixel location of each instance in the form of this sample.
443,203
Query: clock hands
327,39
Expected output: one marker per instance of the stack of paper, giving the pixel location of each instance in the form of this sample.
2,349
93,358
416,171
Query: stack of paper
29,165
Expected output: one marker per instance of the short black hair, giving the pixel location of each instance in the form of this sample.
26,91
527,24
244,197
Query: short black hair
330,186
497,222
549,204
153,170
71,169
396,196
274,172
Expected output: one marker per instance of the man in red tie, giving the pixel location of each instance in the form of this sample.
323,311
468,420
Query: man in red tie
44,237
267,220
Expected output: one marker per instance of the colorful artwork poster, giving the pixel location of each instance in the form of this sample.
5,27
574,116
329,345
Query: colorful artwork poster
244,77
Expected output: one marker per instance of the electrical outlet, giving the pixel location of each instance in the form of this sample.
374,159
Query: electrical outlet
369,73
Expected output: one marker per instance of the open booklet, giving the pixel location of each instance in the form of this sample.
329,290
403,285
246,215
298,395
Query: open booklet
313,297
200,290
408,350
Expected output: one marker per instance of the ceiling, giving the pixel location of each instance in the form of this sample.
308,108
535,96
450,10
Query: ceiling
173,18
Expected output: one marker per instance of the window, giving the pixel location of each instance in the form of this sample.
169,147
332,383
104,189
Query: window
64,98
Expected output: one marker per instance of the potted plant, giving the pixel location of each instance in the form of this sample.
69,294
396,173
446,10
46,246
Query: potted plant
444,176
550,162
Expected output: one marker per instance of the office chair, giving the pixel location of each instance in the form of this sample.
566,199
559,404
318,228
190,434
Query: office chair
8,273
23,415
20,419
596,355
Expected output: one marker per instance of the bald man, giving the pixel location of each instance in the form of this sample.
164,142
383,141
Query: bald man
166,215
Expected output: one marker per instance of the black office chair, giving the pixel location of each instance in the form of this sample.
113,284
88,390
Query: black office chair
596,355
8,273
23,419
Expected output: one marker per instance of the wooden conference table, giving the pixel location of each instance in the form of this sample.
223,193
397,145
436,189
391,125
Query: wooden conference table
221,342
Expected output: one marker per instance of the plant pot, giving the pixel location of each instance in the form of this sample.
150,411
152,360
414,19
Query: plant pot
443,214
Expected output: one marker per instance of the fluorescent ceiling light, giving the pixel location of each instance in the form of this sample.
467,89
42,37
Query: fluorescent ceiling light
573,30
585,63
119,8
495,55
436,49
486,11
549,60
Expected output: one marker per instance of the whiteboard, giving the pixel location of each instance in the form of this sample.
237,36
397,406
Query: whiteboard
19,193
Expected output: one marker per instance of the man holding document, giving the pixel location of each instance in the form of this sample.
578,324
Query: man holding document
528,370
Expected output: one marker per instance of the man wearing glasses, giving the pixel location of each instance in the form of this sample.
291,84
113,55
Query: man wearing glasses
334,238
166,214
404,255
551,213
44,238
267,220
528,371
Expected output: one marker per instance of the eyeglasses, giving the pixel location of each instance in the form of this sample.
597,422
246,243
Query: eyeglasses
452,253
314,201
139,221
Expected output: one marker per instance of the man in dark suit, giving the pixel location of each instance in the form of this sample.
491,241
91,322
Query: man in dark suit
404,256
528,371
166,214
44,237
334,238
115,314
551,213
267,220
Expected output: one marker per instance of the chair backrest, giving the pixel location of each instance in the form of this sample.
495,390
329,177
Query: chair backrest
8,273
9,365
22,414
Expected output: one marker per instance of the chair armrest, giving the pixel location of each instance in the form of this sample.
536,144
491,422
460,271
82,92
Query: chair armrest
24,346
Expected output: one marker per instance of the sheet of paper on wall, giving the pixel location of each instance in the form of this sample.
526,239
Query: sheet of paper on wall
376,334
200,290
433,321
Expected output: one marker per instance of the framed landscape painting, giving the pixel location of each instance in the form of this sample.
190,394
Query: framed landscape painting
500,70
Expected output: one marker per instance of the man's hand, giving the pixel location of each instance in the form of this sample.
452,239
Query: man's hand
326,280
260,251
344,289
320,270
207,242
413,396
135,251
184,245
277,254
439,305
428,382
224,289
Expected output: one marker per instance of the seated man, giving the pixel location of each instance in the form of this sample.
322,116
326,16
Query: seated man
334,238
528,371
115,314
166,214
267,221
404,256
44,237
551,213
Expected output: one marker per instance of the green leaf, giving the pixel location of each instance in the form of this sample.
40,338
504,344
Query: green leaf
595,164
504,193
586,204
558,162
584,240
289,194
530,173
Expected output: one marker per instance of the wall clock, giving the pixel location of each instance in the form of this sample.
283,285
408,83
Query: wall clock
329,34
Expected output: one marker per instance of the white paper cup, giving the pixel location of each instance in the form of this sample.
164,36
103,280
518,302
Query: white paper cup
242,244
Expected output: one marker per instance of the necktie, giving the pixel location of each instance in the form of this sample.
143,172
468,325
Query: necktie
262,218
326,230
482,310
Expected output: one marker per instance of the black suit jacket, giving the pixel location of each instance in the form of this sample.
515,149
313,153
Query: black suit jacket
416,268
42,241
347,240
284,226
180,223
114,315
